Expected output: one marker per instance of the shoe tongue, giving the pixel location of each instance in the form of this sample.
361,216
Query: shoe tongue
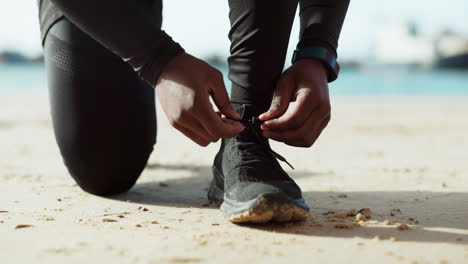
247,111
249,116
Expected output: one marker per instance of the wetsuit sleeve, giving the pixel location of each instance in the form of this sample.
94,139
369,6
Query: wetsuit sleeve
321,22
128,29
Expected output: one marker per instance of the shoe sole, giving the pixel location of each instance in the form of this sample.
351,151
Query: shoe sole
275,207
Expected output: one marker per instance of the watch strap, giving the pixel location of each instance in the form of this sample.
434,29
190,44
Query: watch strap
321,54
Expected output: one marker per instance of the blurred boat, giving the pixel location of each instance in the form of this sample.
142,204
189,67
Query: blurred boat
402,47
452,51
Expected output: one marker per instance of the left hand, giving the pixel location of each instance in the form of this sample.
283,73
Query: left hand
305,82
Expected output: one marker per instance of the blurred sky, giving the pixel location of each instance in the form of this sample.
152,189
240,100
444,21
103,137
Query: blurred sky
201,26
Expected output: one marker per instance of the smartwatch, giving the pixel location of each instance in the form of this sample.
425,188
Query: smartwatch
323,55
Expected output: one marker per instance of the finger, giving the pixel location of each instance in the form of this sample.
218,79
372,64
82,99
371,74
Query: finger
194,136
220,128
221,99
281,99
214,125
324,125
229,121
296,117
198,128
306,135
318,131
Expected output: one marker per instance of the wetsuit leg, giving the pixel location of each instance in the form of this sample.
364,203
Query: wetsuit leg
103,114
260,31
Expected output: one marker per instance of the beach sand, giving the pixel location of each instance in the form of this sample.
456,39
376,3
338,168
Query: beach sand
406,159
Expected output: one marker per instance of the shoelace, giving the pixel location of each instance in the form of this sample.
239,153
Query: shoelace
254,125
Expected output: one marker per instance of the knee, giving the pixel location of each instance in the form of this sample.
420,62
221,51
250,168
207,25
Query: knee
107,172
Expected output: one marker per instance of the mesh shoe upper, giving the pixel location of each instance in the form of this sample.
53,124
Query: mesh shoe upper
248,165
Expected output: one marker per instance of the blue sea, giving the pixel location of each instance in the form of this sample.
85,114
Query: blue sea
352,82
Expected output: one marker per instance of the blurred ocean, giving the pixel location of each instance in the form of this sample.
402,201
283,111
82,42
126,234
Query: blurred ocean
352,82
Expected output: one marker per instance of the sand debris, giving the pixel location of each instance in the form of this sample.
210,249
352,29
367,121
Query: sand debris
215,224
22,226
350,213
1,211
403,227
154,222
328,212
345,225
108,220
64,251
365,211
394,211
413,219
185,260
360,217
378,237
144,209
121,216
118,214
343,195
46,218
138,225
459,239
348,219
363,215
334,214
162,184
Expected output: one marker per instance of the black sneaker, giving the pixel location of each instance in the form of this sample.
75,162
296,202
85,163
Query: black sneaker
249,182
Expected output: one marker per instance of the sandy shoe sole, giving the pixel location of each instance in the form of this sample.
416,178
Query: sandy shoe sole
265,209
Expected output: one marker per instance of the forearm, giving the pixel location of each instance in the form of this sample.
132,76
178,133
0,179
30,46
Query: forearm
321,22
126,28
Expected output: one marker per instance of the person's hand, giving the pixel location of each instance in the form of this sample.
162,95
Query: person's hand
305,82
184,88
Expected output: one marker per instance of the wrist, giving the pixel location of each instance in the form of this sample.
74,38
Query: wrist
313,68
323,55
171,65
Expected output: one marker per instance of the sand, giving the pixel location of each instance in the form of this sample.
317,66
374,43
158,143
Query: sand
405,159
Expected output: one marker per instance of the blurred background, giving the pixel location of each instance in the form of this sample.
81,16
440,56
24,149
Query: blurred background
386,48
398,139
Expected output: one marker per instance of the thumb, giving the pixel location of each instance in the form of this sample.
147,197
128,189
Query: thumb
221,99
281,99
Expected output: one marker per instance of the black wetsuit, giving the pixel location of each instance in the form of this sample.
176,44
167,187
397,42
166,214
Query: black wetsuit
103,56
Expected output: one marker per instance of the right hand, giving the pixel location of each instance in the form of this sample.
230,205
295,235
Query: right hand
184,88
